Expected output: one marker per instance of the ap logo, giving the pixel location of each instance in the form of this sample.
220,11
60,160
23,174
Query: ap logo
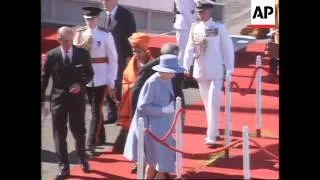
263,13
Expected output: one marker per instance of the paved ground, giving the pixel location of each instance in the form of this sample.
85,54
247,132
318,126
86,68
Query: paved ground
48,159
237,15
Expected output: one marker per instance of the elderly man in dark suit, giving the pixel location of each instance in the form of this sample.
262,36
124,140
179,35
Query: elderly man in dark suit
121,23
71,70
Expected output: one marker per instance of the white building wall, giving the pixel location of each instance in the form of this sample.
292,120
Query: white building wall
154,16
159,5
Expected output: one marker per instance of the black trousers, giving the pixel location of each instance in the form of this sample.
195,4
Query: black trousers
111,106
96,131
273,66
177,85
62,107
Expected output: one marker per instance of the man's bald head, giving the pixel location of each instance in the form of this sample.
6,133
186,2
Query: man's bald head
170,48
65,32
65,37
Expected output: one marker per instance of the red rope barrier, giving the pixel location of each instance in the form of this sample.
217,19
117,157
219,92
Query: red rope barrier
187,153
164,138
212,152
264,149
254,75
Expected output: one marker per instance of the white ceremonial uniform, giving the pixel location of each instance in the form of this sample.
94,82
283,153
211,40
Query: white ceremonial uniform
103,46
183,22
213,49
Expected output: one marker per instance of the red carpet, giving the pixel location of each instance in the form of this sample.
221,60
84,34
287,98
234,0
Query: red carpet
48,39
243,114
111,165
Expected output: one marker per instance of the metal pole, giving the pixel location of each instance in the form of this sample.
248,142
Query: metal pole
179,139
259,98
246,153
228,100
140,149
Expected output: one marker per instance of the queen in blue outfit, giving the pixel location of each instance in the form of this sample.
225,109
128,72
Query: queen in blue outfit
156,107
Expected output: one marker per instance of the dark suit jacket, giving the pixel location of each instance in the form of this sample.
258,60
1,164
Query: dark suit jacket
146,72
80,72
122,31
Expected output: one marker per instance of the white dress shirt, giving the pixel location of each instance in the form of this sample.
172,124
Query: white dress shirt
69,54
113,13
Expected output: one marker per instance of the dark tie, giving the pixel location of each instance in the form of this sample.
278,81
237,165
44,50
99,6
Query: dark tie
109,21
67,59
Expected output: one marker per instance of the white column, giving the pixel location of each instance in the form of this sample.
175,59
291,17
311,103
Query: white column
140,149
178,139
246,153
259,97
228,105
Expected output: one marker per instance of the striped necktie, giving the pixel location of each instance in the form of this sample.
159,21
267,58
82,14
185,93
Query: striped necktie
67,59
109,20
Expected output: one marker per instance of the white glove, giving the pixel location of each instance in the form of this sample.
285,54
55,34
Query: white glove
229,72
45,111
168,108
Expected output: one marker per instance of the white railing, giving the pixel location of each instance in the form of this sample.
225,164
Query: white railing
246,152
178,138
259,97
228,104
140,149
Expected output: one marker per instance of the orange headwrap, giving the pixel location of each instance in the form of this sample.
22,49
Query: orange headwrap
139,39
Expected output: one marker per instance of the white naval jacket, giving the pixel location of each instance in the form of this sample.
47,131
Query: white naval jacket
212,57
103,45
185,19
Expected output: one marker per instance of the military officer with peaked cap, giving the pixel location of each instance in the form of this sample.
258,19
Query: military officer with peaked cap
101,46
209,43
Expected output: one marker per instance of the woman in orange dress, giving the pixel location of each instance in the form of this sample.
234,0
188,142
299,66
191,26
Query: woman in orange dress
141,55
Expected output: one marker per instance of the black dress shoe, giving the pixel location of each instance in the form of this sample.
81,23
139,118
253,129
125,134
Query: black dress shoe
110,121
63,172
85,166
218,138
134,170
167,176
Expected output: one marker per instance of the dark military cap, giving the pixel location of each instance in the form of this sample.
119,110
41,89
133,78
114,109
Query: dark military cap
205,4
91,12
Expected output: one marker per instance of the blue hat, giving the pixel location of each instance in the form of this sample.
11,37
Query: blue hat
168,64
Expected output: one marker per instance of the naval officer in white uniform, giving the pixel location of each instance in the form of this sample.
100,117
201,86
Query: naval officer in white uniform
104,59
184,17
210,45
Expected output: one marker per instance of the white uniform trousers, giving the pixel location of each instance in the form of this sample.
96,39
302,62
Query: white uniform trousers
182,36
210,91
